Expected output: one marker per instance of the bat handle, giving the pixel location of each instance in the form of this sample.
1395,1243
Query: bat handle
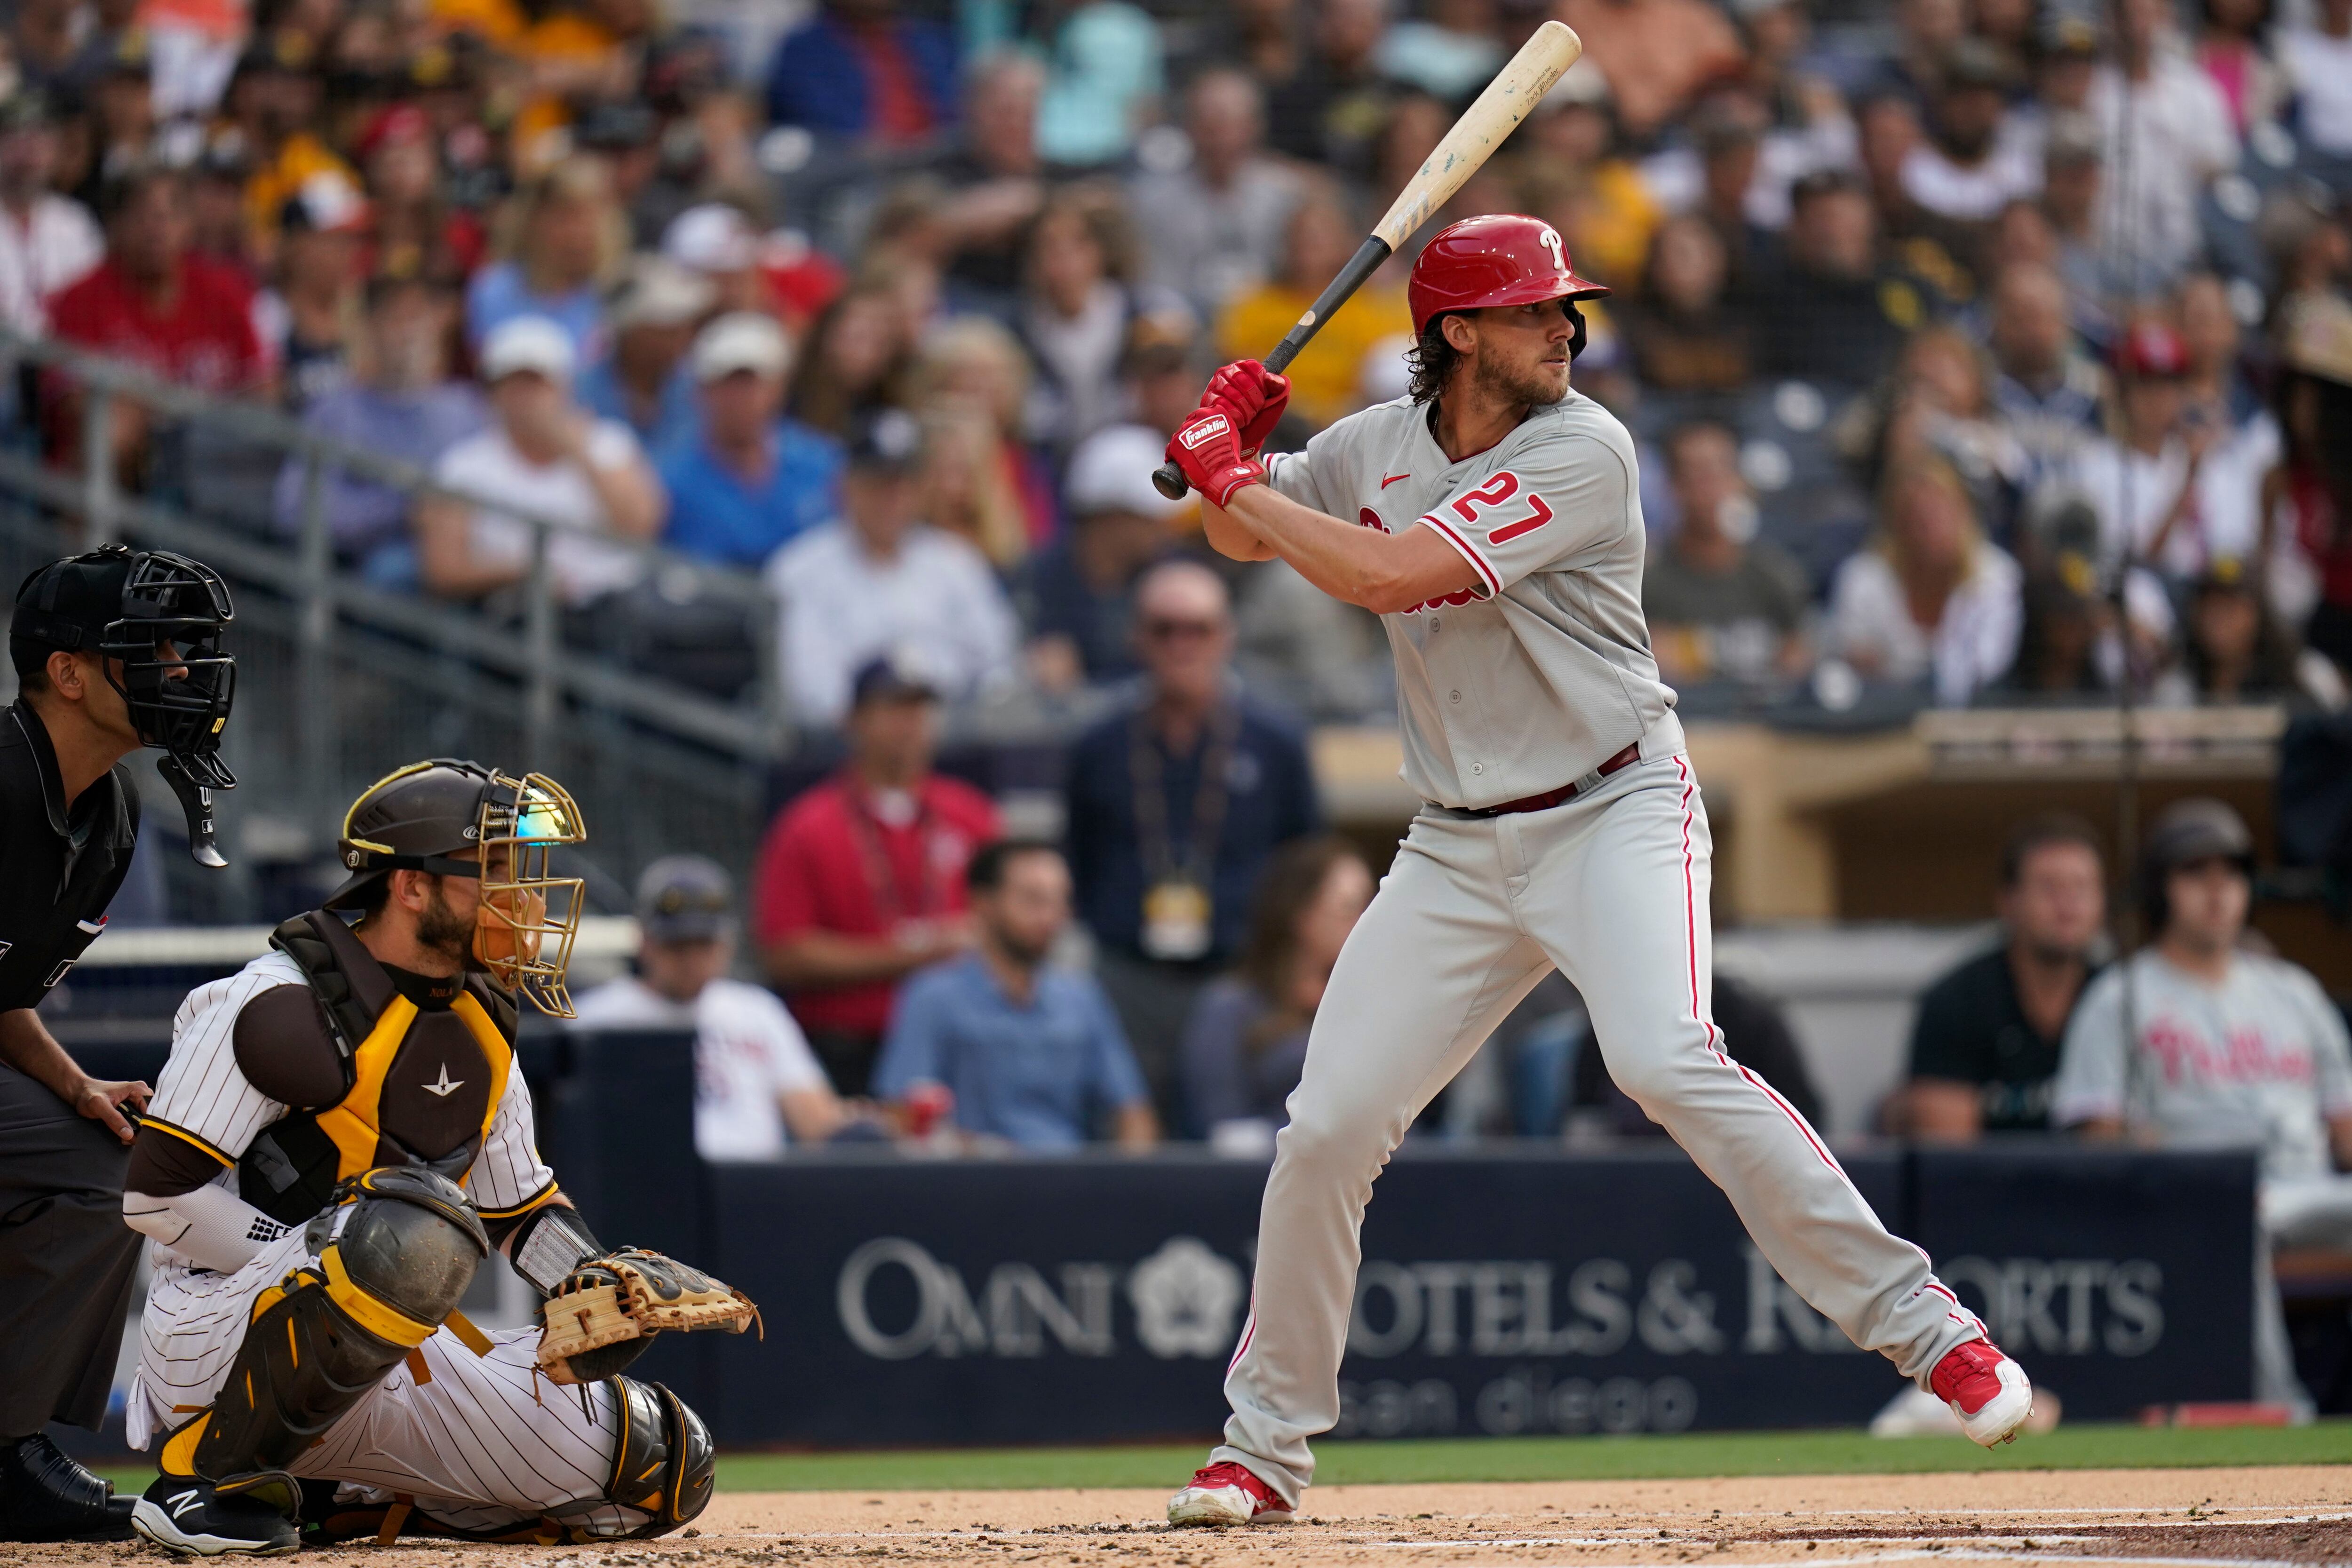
1168,478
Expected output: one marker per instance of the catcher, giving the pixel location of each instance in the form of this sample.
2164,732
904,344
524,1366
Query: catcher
339,1137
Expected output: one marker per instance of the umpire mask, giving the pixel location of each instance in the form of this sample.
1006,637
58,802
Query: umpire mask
156,620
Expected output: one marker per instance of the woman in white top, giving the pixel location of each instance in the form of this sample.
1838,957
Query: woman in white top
1928,599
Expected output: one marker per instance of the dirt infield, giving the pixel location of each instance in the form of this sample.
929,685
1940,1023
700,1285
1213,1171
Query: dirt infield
2183,1519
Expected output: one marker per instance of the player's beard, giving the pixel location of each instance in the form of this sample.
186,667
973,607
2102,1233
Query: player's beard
442,930
1527,387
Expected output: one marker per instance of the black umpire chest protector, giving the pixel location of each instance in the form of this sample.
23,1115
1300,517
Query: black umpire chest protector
419,1085
53,890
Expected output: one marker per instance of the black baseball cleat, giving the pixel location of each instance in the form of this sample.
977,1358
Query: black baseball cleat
46,1496
251,1516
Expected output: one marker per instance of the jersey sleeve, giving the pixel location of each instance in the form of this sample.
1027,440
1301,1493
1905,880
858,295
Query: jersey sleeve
1317,477
2331,1050
202,1097
1560,498
2092,1060
509,1177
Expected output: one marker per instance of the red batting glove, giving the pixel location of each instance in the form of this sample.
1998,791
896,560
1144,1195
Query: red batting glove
1207,446
1252,397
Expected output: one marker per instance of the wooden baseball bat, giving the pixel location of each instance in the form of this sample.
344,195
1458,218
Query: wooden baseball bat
1516,88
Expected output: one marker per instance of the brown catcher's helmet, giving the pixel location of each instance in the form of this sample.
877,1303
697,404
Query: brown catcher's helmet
1503,259
425,815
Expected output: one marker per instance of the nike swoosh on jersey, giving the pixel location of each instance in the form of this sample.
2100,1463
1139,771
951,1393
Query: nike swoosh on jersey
1393,479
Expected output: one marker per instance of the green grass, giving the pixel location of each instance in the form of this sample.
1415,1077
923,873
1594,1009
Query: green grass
1535,1458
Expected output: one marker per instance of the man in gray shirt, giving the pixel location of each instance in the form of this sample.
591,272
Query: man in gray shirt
2227,1047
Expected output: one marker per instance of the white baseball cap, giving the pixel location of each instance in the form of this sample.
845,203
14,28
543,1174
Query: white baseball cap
1112,471
712,237
743,340
660,293
527,342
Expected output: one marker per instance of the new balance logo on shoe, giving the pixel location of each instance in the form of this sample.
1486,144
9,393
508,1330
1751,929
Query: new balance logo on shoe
183,1501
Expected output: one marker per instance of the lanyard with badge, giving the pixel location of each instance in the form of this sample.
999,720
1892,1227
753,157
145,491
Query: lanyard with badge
1177,910
910,930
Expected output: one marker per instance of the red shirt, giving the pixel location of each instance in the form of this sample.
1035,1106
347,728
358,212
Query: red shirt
902,113
207,340
830,864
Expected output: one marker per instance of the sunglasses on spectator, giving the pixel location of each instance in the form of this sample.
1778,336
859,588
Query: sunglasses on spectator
1164,630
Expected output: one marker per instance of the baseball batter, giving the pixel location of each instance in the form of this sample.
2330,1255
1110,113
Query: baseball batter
339,1136
1492,519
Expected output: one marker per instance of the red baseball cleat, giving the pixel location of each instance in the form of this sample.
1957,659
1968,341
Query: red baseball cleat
1227,1493
1986,1390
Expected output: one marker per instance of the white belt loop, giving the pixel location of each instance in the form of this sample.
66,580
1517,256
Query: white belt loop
1588,783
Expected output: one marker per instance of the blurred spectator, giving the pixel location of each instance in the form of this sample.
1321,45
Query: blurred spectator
1940,401
1298,647
1722,604
1329,110
1451,54
1078,595
881,581
150,302
974,369
1653,52
646,382
274,101
967,492
2175,490
2214,342
2228,1047
855,361
1929,601
2236,650
2049,392
860,880
217,230
861,70
1889,143
1028,1052
1174,804
997,179
2234,49
756,1083
312,318
121,101
1104,75
1682,331
2316,60
1976,161
412,226
1215,227
2310,492
718,243
1077,306
1327,378
547,458
559,241
2066,628
401,403
2179,135
749,480
1246,1039
1832,311
1579,180
48,241
1984,1047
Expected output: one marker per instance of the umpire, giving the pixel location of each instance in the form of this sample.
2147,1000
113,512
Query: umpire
114,651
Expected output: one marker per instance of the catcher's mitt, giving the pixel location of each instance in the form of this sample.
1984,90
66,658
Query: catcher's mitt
601,1316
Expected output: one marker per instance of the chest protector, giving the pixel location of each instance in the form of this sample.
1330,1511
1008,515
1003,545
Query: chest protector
419,1087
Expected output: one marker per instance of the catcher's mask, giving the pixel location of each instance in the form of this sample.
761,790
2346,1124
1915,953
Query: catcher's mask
457,818
156,620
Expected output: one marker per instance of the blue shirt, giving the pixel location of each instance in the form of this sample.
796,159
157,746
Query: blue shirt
498,294
716,514
415,426
676,416
818,78
1041,1076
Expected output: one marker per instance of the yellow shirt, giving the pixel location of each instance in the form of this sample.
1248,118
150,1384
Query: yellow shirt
1326,376
268,188
499,22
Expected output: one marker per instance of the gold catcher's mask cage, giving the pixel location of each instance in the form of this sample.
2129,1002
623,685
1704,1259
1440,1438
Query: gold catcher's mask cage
530,917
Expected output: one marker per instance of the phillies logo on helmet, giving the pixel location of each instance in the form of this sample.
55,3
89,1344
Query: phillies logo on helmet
1201,430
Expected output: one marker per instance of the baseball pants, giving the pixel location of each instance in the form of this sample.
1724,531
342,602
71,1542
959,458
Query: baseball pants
2294,1211
477,1442
1611,889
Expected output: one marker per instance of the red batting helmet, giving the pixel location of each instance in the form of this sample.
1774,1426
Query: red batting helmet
1503,259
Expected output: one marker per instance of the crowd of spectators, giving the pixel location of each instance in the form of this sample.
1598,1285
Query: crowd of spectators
1978,352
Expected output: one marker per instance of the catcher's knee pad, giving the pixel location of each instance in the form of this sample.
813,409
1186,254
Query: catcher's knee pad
664,1464
401,1247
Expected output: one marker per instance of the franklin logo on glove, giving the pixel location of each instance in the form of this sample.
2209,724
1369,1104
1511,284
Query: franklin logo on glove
1202,430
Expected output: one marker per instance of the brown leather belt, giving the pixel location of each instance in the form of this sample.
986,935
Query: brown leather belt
1551,797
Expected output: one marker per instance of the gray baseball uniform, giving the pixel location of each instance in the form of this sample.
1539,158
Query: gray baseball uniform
1527,682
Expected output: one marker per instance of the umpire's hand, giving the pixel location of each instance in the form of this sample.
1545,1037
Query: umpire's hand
100,1100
